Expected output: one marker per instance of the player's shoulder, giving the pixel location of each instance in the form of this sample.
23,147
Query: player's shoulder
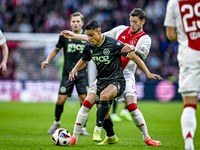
112,41
172,4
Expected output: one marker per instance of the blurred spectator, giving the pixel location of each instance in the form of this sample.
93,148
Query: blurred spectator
52,16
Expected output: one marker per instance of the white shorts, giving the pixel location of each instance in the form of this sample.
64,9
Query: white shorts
189,79
129,91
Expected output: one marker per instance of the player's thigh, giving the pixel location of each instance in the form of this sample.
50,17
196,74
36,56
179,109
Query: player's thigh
82,85
109,92
66,86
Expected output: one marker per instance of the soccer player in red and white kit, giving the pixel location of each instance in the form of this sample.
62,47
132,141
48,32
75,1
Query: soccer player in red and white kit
182,23
133,35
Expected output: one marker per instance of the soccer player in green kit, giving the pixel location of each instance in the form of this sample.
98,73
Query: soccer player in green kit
106,54
72,50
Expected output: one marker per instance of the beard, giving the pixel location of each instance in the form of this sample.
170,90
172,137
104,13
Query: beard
137,30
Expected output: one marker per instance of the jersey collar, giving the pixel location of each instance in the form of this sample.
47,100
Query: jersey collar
135,35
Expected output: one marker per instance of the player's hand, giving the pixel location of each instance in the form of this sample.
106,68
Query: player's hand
127,48
68,34
44,64
3,67
72,74
154,76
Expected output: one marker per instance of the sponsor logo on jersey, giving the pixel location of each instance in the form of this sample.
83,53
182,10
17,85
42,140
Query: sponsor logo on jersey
119,43
62,89
75,47
101,59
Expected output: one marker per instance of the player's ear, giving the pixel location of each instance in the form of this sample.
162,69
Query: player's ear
143,21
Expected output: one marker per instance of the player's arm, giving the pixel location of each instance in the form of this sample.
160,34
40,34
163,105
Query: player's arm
171,33
71,35
3,65
131,55
51,55
79,65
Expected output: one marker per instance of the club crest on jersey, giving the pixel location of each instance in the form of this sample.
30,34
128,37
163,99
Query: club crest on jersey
132,42
62,89
106,51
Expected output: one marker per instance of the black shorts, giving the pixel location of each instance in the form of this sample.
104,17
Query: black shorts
120,84
81,83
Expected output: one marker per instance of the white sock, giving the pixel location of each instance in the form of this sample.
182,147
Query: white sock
80,121
97,128
188,125
139,121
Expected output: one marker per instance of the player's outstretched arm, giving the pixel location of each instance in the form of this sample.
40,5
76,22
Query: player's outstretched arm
141,64
71,35
80,65
5,52
51,55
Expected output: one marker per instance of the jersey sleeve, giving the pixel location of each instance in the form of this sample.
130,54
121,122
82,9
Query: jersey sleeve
60,42
118,46
143,47
114,33
169,17
86,56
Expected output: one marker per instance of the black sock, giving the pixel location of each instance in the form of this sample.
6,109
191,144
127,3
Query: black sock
58,111
108,126
114,106
101,112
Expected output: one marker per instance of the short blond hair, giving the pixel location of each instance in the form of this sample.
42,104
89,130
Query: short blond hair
77,14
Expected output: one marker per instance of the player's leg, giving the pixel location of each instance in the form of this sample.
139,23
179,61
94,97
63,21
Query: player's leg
58,111
65,90
106,95
82,116
83,130
82,87
115,117
188,120
139,121
189,87
111,138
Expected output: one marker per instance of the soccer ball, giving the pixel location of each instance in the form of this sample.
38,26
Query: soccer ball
61,137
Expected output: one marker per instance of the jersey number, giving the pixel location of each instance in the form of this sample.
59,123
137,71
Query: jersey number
190,14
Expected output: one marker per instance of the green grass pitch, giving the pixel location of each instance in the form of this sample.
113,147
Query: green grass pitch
23,126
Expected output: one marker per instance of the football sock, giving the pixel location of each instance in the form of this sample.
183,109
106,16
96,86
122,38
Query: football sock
80,120
188,124
114,106
138,119
101,112
58,112
86,121
108,126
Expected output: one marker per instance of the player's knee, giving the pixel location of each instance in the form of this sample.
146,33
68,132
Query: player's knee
60,101
132,107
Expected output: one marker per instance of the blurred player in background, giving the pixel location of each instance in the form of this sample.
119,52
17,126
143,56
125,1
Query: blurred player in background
4,48
106,54
182,23
72,53
133,35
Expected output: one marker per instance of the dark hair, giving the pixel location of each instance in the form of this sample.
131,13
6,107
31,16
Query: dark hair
93,24
138,12
77,14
